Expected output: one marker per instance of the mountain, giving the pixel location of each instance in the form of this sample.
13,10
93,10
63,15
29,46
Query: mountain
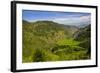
51,41
25,22
47,27
84,35
82,25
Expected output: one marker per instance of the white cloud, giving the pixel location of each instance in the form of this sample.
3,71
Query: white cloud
85,17
73,20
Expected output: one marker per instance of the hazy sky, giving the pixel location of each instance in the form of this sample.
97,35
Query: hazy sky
67,18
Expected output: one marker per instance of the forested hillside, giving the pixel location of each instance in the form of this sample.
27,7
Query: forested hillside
49,41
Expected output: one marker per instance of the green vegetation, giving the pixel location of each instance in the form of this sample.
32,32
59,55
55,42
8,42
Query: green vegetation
49,41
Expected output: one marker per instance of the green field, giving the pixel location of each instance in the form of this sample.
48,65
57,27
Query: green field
45,41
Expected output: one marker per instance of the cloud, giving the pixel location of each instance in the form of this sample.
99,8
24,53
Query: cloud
85,17
73,20
67,18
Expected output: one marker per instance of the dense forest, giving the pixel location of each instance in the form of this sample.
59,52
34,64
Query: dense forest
50,41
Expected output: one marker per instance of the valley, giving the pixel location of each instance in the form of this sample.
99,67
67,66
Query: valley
45,41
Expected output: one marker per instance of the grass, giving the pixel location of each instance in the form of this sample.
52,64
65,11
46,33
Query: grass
43,43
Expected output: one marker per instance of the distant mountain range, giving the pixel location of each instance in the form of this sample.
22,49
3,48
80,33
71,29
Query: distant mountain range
82,25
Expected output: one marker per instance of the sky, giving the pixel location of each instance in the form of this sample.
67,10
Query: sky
67,18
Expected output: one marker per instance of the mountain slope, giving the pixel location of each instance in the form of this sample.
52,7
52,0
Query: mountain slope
84,35
50,41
